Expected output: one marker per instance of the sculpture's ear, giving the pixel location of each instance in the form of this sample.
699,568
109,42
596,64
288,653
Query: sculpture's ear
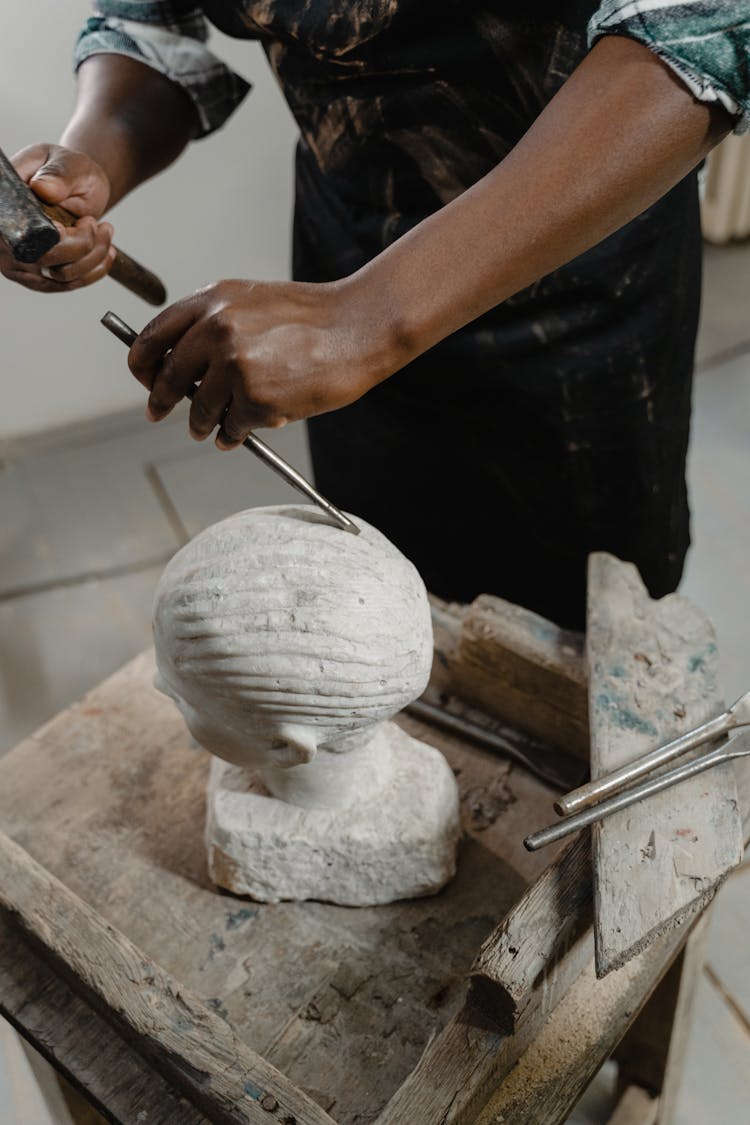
295,746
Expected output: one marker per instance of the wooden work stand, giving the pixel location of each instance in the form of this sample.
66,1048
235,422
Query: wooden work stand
169,1002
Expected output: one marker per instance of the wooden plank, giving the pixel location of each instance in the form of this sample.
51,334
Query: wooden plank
198,1050
70,1035
650,1056
526,670
518,957
692,961
109,797
553,765
577,1038
471,1057
652,668
85,793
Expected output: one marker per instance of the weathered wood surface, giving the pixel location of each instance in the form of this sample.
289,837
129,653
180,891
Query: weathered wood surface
190,1044
692,960
652,670
109,797
651,1054
85,1049
526,670
471,1058
518,957
579,1035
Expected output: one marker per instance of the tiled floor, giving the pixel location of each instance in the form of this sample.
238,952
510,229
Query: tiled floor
88,518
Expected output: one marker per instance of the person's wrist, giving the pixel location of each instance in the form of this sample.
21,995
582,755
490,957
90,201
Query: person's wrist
379,324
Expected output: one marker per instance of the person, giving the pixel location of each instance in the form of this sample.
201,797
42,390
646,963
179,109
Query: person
496,261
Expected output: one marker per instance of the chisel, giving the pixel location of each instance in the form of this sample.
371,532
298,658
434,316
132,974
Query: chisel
128,336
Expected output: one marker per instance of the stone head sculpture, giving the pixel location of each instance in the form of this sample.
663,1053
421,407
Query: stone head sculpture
287,645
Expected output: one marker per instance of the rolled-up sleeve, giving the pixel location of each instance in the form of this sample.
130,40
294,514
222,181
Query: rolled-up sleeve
170,38
705,42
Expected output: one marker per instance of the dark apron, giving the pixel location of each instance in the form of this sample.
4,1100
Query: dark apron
555,425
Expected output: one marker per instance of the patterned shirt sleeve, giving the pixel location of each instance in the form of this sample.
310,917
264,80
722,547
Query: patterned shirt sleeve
705,42
171,38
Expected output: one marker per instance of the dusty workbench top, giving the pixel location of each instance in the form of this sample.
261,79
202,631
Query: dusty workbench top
109,797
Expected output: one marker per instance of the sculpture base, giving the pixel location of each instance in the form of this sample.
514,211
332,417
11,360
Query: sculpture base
400,843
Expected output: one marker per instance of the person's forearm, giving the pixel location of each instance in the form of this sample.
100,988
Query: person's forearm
619,134
130,119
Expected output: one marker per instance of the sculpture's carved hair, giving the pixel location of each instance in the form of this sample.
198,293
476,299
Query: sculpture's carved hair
279,611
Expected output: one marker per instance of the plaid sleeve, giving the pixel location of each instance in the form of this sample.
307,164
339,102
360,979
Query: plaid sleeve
171,38
705,42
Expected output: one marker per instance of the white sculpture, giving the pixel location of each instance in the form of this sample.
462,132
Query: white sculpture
288,644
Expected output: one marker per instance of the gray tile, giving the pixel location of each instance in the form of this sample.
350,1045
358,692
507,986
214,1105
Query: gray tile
88,507
56,645
728,954
716,1076
205,485
717,571
725,318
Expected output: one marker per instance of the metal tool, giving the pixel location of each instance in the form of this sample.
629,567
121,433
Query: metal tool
609,794
26,226
738,715
128,336
553,766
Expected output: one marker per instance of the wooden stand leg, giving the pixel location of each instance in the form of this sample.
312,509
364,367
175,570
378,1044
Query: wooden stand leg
651,1054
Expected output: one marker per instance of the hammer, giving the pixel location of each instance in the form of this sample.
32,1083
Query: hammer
26,226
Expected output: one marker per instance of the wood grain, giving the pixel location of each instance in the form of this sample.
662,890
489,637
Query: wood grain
109,796
82,1046
578,1037
192,1045
652,668
518,957
471,1057
526,670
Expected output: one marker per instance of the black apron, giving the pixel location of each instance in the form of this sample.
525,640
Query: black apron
555,425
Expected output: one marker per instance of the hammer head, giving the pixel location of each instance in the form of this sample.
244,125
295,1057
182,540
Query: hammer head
23,224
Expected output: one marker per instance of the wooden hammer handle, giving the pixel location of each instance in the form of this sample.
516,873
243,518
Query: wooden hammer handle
125,269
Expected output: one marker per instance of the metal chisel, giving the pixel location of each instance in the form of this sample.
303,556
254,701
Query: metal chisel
128,336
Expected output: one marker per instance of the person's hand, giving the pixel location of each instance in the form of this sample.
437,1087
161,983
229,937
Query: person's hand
264,354
84,253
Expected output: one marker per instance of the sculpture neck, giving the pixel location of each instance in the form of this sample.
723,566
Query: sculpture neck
334,780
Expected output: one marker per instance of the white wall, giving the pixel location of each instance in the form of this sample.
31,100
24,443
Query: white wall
224,210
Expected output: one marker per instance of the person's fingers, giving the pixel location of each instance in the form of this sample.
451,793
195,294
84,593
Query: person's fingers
95,272
75,243
235,427
31,280
65,177
84,255
77,260
161,334
29,160
208,408
186,364
45,282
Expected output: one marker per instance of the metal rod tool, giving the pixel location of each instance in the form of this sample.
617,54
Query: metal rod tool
551,765
128,336
738,715
609,794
